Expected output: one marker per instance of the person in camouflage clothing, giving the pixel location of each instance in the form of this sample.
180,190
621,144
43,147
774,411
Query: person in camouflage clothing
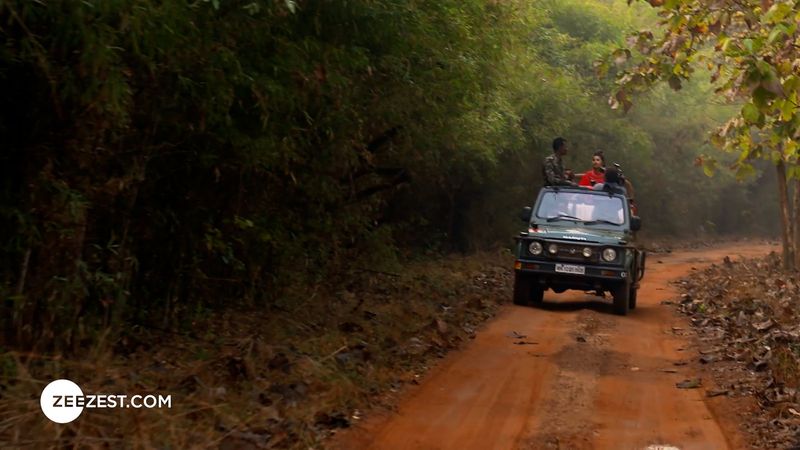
553,166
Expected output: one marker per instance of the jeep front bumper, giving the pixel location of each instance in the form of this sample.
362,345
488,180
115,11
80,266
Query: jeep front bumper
593,276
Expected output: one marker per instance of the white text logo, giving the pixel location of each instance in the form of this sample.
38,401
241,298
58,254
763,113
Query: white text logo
63,401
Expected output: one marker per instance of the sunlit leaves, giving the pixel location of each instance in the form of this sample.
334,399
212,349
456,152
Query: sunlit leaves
793,172
787,109
780,30
751,114
709,165
744,171
755,58
641,41
733,49
769,78
621,56
761,97
776,13
620,99
791,85
601,68
752,45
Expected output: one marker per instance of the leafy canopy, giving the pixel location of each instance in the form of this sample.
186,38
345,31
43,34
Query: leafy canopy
750,48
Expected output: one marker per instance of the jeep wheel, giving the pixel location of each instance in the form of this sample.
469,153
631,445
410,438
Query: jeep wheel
621,298
537,295
523,288
632,298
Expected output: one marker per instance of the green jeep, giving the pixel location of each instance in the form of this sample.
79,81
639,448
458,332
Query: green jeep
582,239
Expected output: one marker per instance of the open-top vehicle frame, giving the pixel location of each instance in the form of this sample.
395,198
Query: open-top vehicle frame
581,239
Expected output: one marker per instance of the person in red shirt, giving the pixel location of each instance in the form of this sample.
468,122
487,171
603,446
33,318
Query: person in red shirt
597,173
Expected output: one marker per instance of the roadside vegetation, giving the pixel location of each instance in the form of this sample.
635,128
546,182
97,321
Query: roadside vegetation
202,187
245,379
744,314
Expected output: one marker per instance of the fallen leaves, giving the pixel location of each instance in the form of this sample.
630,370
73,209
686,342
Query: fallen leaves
692,383
288,378
716,392
745,313
705,359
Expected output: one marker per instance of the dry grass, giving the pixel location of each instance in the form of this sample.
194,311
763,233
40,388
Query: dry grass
279,378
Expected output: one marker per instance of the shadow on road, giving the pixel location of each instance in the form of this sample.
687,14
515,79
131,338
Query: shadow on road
598,305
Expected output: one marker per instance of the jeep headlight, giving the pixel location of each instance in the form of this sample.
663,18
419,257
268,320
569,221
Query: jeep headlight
552,249
609,254
587,252
535,248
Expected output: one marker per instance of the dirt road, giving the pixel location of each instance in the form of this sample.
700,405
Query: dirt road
580,378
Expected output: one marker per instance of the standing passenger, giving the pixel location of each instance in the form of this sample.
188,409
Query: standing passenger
597,173
553,166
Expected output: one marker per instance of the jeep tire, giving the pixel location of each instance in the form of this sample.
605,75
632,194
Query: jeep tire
537,295
622,294
526,290
522,289
632,297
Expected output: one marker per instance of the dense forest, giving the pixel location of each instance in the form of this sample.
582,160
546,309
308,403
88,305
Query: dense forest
162,159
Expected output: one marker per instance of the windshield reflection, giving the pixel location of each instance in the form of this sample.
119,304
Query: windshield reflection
582,207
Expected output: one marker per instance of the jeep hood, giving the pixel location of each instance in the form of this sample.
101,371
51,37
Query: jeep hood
578,234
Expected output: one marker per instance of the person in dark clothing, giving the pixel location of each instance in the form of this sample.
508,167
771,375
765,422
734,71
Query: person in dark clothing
553,165
613,182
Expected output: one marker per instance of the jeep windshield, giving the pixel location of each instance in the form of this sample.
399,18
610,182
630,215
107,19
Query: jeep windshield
590,207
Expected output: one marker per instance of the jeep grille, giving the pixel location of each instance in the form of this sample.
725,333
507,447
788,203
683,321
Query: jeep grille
570,252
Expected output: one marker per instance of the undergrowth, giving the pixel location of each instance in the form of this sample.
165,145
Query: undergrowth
269,378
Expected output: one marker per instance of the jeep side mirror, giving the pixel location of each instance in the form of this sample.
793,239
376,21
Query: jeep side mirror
636,223
525,215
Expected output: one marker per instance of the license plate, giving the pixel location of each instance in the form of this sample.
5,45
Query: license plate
569,268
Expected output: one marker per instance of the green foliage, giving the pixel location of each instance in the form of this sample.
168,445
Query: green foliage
163,159
750,47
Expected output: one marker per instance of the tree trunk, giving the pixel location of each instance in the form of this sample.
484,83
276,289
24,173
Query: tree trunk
795,225
788,256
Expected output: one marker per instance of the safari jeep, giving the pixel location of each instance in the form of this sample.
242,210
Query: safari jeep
580,239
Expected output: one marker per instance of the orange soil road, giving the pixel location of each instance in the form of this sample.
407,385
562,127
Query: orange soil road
586,379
